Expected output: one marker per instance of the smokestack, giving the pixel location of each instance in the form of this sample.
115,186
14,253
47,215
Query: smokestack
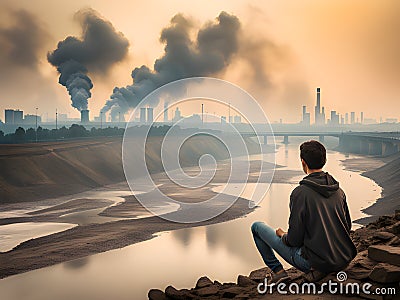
150,115
84,116
318,97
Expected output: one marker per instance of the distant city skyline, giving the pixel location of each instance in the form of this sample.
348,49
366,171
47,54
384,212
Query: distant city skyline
336,118
146,116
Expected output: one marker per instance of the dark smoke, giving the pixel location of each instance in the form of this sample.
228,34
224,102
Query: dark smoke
209,54
96,51
21,43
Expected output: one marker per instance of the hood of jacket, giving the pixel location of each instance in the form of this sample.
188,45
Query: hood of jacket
321,182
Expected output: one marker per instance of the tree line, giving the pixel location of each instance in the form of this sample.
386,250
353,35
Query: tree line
75,131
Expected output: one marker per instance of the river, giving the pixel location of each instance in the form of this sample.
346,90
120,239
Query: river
220,251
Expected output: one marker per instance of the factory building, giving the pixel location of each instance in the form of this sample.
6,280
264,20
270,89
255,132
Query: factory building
150,115
306,119
13,117
142,115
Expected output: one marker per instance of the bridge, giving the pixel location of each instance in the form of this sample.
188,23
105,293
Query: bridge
321,135
370,143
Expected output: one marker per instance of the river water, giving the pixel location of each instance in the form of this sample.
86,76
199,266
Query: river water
220,251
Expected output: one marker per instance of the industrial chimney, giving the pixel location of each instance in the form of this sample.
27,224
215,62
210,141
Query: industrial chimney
85,116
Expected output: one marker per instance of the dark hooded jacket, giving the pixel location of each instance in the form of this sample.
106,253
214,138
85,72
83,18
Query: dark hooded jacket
320,223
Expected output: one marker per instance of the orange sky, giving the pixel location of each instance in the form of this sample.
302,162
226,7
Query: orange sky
348,48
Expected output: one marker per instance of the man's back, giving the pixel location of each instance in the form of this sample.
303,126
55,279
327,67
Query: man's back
320,223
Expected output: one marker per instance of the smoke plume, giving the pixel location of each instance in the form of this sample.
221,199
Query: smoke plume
21,42
97,50
209,54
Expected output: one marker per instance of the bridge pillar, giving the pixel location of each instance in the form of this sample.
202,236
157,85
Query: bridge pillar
286,139
349,144
389,148
375,148
364,147
342,143
321,138
354,145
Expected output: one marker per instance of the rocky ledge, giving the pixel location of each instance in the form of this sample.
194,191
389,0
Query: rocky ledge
376,264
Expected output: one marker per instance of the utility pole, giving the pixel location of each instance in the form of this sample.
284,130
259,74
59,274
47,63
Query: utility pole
36,123
202,113
229,113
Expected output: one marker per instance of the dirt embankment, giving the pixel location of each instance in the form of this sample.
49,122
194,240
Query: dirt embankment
385,171
31,172
387,177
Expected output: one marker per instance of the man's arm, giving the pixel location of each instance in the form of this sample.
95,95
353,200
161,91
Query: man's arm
295,235
346,213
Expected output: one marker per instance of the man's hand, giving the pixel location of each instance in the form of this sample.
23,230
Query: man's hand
280,232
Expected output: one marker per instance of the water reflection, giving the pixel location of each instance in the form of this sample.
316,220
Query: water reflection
183,236
76,263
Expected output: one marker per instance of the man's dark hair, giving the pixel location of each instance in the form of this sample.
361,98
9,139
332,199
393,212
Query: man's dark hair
314,154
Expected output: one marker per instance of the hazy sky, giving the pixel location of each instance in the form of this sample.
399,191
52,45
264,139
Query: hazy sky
351,49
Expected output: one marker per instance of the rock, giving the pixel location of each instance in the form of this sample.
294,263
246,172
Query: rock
228,284
358,273
397,214
203,282
294,274
232,292
175,294
383,253
155,294
259,275
243,297
216,282
361,266
383,235
207,291
385,273
382,221
245,281
395,228
394,242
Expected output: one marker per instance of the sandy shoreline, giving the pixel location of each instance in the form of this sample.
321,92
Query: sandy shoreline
382,170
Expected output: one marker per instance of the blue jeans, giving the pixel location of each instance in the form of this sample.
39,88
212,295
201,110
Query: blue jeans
266,241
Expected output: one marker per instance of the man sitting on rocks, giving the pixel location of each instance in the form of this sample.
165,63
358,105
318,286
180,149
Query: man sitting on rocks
318,239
